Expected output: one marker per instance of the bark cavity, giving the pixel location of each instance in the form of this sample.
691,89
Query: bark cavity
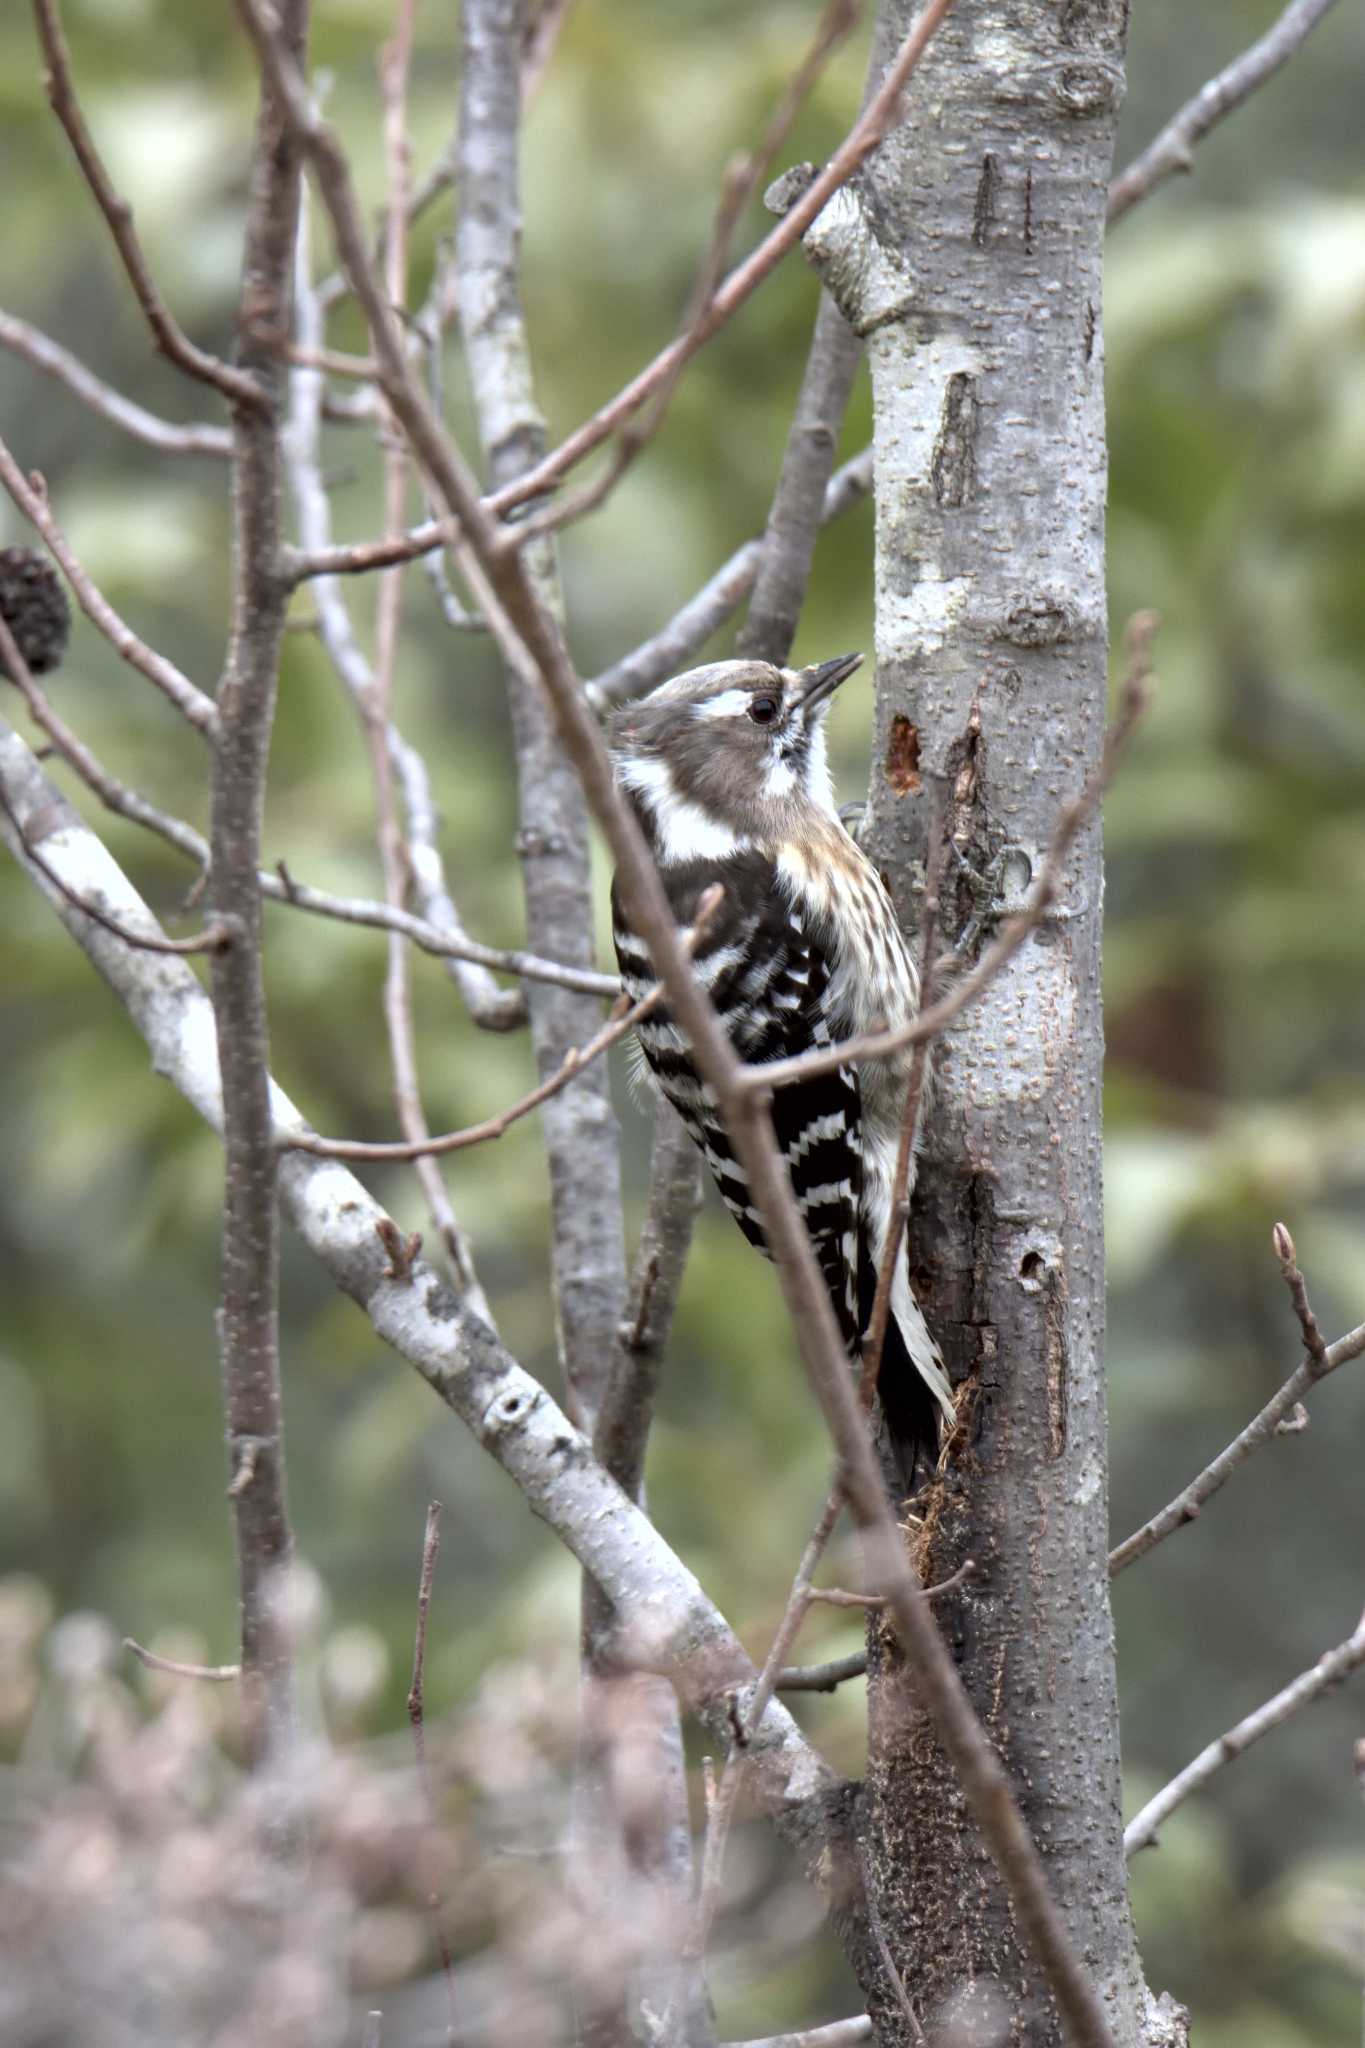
902,756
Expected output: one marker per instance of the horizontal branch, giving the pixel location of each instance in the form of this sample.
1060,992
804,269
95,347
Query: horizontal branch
194,438
433,939
822,1677
836,2034
574,1063
1173,149
1310,1685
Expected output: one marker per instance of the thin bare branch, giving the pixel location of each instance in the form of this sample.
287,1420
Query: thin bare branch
431,1546
248,1321
1310,1685
238,385
836,2034
30,495
927,1025
623,1420
214,1674
1314,1343
673,646
489,1006
1262,1429
539,44
587,1232
881,113
435,939
166,436
739,183
623,1019
822,1677
1173,149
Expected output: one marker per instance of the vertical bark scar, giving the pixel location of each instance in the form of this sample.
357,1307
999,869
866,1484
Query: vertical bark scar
1091,323
953,466
1055,1353
1028,213
983,212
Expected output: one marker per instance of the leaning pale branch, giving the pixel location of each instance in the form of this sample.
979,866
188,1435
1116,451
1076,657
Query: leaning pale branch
1310,1685
678,1629
1173,149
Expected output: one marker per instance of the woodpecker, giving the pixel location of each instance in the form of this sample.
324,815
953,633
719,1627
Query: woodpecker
726,770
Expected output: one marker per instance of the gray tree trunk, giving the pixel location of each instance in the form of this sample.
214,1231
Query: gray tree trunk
969,258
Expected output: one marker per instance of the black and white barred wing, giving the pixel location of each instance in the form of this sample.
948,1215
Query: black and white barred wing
767,976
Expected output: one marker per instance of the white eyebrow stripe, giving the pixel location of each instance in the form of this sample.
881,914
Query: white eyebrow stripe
729,704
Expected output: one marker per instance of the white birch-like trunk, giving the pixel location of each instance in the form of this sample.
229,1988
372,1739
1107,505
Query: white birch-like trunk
969,259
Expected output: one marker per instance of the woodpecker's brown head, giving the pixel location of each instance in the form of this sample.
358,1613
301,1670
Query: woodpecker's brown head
727,756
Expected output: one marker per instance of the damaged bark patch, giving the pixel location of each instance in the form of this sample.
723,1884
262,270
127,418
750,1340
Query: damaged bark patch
983,212
902,756
953,468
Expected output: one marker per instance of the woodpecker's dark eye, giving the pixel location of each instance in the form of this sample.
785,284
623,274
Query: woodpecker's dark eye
763,710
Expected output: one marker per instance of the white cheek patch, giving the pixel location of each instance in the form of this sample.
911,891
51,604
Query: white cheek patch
729,704
779,778
685,832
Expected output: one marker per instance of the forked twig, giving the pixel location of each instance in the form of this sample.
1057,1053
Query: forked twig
1310,1685
623,1018
238,385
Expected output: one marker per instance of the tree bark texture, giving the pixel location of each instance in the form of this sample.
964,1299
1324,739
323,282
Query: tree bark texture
969,259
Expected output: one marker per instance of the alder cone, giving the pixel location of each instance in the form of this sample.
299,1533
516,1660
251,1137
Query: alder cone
34,607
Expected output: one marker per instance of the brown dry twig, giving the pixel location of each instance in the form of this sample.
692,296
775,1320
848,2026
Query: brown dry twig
880,114
431,1547
737,187
621,1020
239,386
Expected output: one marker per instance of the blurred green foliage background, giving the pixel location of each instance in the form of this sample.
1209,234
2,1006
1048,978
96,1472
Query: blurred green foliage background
1236,934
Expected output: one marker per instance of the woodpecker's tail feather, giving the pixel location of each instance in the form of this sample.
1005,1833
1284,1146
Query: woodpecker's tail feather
910,1411
912,1386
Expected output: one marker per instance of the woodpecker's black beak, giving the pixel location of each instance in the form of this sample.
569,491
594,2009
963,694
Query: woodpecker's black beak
824,679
